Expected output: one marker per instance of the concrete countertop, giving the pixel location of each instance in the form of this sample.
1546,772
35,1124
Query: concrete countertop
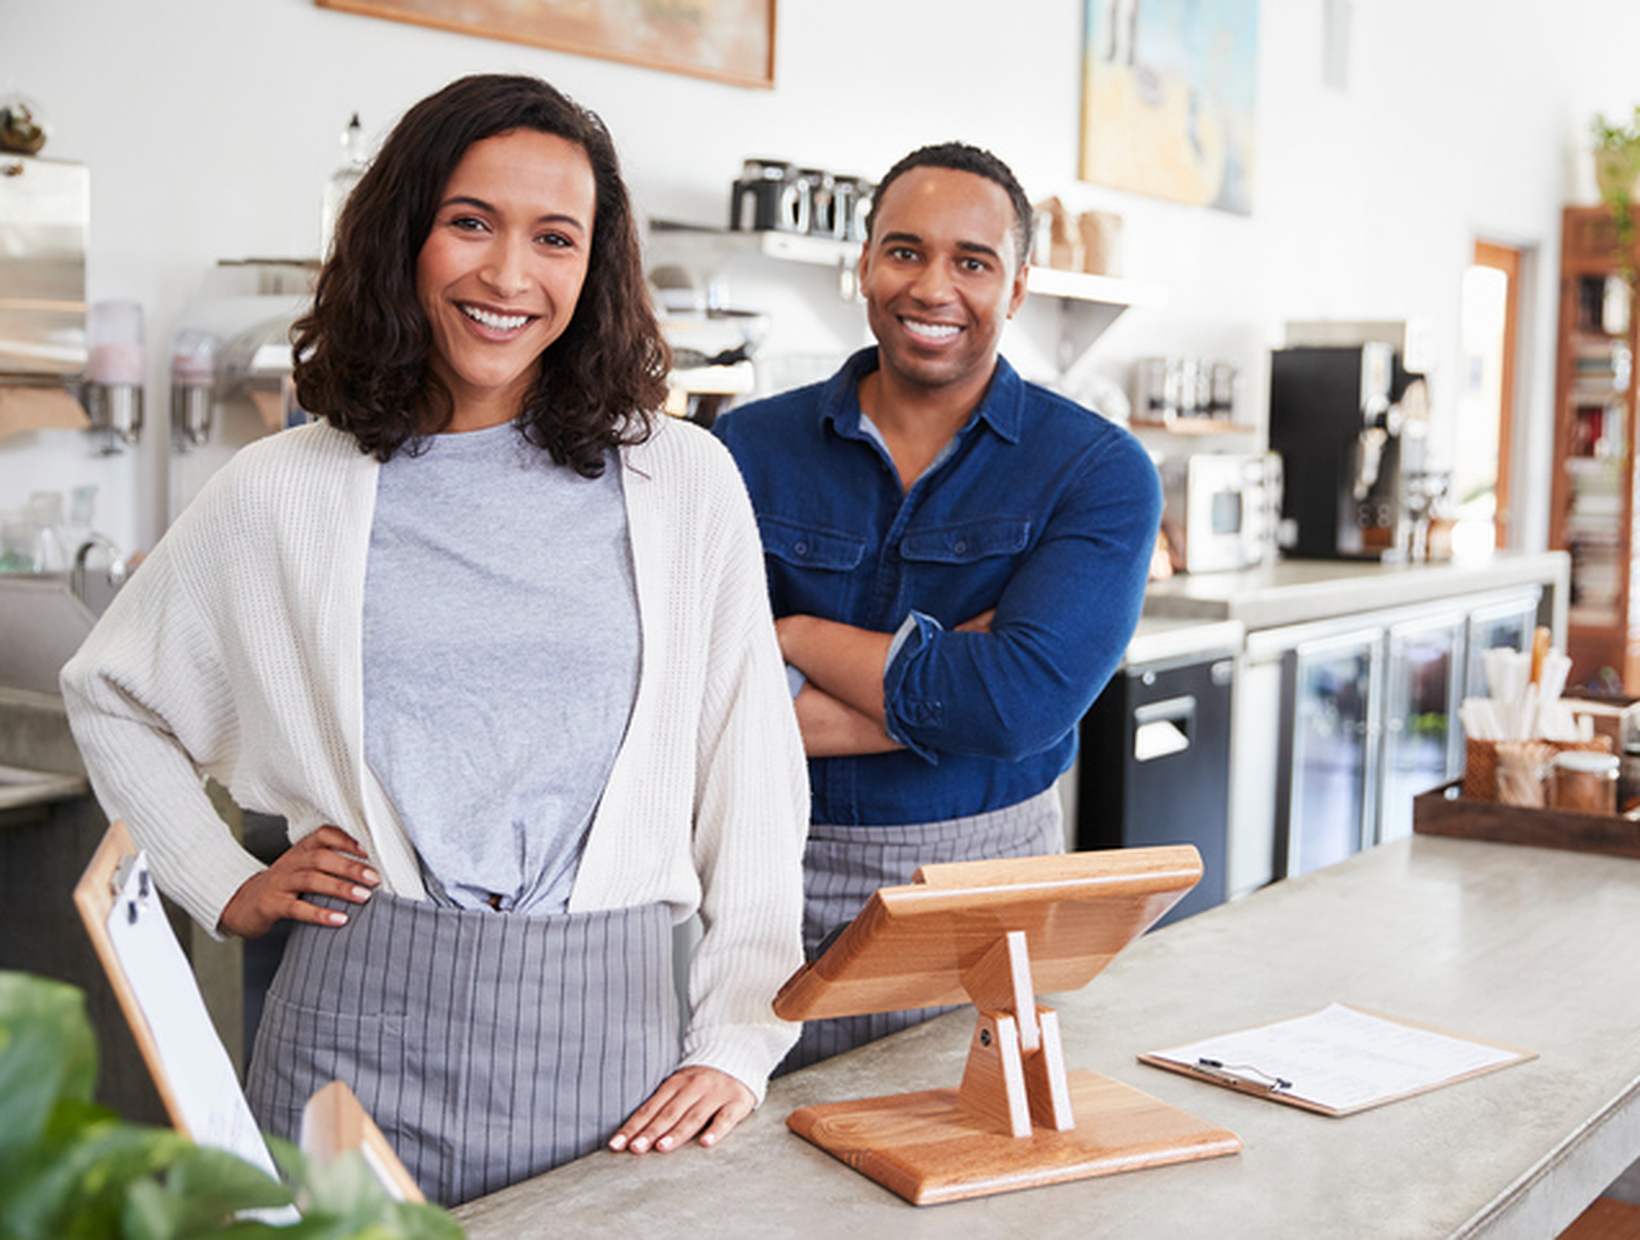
1299,591
1514,945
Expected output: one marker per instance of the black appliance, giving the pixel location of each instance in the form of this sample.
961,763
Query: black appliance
1348,425
1155,767
770,195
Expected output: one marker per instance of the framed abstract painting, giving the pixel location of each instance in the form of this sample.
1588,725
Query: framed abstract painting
1168,92
725,40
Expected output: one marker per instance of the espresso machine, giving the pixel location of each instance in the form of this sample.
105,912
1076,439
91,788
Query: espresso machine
1350,422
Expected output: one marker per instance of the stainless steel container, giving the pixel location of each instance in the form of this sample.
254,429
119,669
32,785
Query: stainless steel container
45,214
44,623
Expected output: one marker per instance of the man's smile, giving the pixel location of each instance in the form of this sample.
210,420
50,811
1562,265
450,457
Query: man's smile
927,329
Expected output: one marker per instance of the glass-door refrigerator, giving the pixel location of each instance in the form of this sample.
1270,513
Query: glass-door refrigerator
1330,732
1421,745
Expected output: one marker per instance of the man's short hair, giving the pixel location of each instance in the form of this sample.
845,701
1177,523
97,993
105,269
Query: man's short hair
960,157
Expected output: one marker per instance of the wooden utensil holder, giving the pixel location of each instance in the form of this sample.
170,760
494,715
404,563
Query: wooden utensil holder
1480,770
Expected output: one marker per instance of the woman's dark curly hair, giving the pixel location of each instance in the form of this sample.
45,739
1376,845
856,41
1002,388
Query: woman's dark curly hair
362,351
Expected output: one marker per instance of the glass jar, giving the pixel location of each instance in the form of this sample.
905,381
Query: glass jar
1585,781
1523,772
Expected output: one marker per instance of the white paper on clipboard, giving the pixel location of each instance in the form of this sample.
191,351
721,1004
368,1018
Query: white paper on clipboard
196,1064
1346,1060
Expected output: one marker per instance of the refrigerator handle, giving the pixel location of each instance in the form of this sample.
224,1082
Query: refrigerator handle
1161,729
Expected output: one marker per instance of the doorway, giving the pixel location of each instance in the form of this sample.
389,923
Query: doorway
1490,329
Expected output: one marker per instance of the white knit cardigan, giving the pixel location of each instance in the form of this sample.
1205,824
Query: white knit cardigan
234,651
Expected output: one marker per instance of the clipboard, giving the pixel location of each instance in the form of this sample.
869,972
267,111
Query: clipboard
196,1081
334,1122
154,984
1260,1079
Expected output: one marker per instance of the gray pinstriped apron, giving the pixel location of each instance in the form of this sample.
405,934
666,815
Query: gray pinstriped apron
842,866
488,1048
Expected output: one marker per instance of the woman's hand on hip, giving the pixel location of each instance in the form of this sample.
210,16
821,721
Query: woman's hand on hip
686,1102
328,861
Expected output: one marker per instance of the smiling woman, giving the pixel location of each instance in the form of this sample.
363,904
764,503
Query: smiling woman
501,195
493,638
497,277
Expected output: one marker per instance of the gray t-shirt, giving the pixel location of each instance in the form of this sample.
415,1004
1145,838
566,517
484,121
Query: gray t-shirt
501,646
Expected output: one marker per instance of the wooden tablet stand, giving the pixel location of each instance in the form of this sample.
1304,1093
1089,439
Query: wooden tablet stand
979,931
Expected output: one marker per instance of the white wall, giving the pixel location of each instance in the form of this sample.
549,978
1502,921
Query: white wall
210,127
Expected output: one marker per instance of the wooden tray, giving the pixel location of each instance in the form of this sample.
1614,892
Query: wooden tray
1444,811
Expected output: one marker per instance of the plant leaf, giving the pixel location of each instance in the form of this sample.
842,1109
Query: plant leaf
292,1163
224,1184
311,1227
47,1051
151,1213
78,1186
70,1116
424,1222
346,1187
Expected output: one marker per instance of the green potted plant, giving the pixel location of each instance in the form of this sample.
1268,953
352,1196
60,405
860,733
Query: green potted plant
70,1168
1617,172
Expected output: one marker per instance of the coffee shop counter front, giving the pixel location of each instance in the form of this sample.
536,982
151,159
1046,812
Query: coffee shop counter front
1512,945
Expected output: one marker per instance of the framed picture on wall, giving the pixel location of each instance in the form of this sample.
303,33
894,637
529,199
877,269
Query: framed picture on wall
1168,88
725,40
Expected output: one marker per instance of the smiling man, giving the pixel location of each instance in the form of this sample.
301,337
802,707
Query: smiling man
956,559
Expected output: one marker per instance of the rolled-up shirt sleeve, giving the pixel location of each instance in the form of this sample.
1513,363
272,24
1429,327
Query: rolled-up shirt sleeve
795,680
1060,630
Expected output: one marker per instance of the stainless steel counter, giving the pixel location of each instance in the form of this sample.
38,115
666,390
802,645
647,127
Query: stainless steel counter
20,787
1299,591
39,763
1517,945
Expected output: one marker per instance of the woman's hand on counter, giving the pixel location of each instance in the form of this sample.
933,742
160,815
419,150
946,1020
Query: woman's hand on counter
328,861
689,1100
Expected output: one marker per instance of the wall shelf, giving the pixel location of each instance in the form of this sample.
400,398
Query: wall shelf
826,252
1088,304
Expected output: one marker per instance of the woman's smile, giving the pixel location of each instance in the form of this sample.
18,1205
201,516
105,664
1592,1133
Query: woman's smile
502,268
489,323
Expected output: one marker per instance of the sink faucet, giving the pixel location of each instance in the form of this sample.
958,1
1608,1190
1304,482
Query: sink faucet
117,570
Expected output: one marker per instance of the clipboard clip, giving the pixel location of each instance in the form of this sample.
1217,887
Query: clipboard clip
122,875
1243,1074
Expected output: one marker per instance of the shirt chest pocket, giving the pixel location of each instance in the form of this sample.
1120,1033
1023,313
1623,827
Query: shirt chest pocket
810,567
955,571
967,542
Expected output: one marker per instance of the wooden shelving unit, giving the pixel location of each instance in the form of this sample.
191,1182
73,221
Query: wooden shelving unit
1592,513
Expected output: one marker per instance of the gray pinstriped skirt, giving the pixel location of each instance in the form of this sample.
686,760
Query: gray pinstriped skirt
842,866
488,1048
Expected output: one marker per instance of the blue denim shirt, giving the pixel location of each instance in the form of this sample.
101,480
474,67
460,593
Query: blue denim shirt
1042,510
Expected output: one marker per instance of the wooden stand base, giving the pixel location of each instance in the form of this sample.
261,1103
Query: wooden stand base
928,1148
